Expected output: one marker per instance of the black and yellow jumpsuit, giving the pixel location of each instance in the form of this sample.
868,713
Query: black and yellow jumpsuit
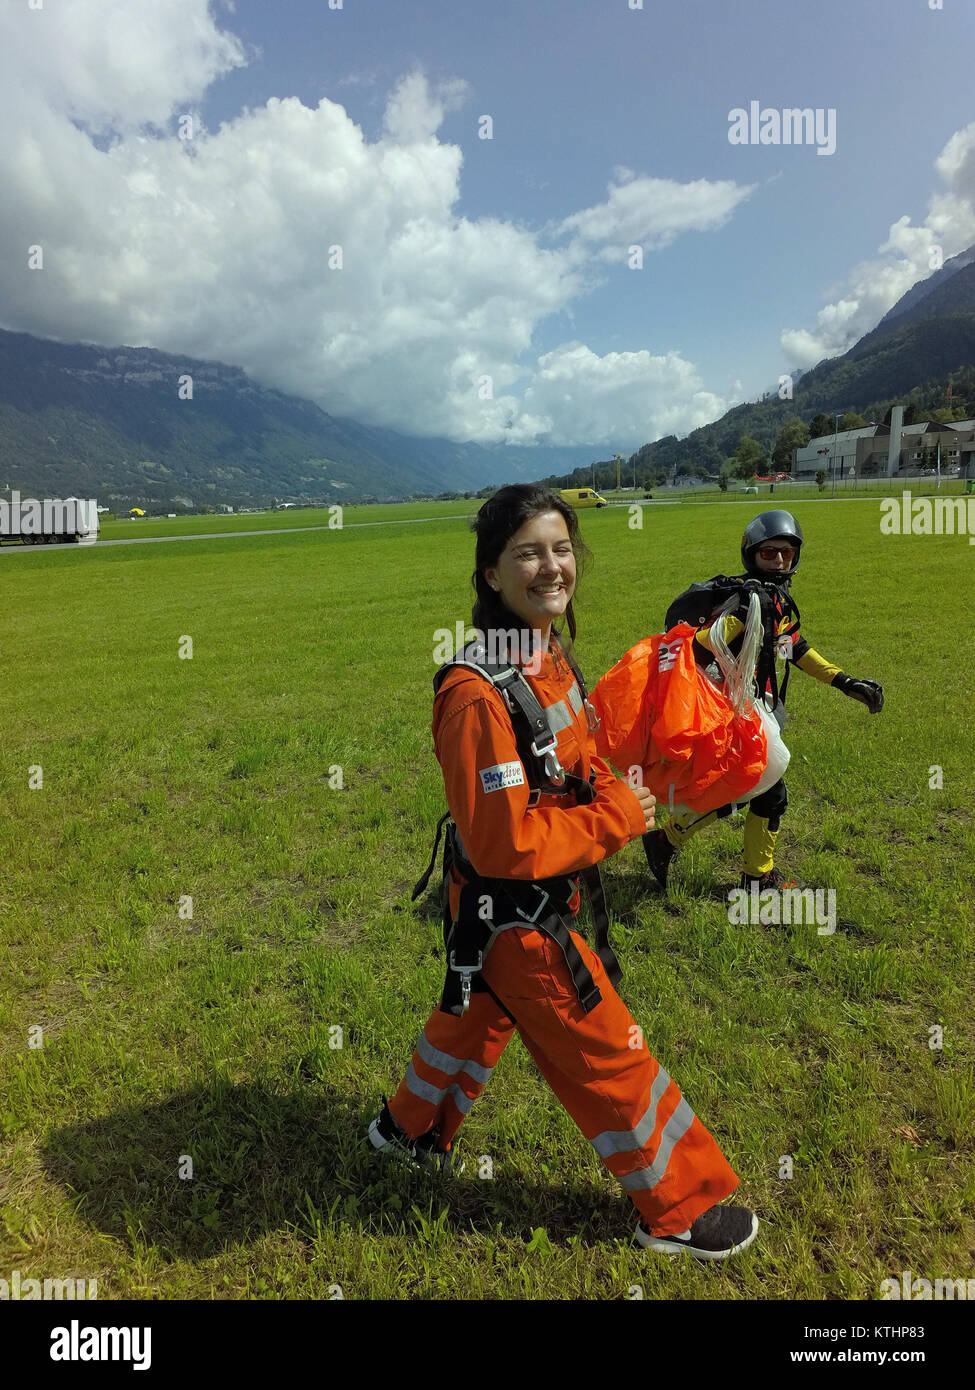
765,812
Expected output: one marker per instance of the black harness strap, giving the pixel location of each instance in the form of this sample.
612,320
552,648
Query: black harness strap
419,887
585,986
788,609
469,936
593,881
536,739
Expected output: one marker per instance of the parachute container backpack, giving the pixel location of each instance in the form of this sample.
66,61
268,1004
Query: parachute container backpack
702,603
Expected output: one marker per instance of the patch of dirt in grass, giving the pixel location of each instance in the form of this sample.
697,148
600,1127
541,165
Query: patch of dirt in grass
335,932
53,1006
869,870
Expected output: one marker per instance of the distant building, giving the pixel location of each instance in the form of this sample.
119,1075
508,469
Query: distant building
884,451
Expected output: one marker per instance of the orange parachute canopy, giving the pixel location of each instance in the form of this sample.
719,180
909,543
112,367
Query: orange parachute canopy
660,713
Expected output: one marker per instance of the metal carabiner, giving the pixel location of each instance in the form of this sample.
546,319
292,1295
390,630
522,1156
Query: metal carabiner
549,755
465,972
554,770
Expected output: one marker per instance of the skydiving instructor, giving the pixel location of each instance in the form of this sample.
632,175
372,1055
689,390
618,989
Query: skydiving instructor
771,549
534,810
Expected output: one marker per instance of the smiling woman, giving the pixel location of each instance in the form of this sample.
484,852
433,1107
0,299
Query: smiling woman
534,810
535,576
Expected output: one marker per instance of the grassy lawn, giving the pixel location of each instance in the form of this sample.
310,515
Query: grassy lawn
403,513
212,1037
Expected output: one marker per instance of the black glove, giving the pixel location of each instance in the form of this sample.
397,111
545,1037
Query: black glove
869,693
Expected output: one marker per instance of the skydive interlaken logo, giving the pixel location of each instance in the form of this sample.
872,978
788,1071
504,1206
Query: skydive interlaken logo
501,775
792,125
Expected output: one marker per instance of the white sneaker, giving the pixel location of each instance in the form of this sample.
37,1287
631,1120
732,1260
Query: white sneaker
385,1134
717,1234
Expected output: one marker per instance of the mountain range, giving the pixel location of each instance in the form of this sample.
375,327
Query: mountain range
926,339
119,423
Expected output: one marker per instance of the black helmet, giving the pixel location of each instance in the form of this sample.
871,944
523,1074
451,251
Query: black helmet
768,527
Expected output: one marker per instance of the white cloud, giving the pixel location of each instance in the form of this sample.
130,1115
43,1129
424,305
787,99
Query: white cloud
116,68
218,246
652,212
874,286
621,399
414,113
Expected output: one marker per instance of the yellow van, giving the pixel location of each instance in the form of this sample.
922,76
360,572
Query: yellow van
583,497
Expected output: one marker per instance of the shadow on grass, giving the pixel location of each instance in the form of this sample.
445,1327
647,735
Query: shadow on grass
263,1161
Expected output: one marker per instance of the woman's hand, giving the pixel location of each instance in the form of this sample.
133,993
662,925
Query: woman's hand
647,802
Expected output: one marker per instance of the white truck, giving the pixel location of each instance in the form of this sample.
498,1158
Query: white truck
48,522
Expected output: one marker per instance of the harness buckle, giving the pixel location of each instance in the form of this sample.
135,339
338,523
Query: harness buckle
539,909
548,753
554,770
591,998
465,972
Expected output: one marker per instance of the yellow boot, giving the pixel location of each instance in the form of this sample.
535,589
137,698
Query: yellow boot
759,856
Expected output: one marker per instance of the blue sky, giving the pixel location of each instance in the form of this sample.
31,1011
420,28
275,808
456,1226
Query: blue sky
774,257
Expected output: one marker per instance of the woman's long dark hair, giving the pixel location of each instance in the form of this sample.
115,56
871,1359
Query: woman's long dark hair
496,522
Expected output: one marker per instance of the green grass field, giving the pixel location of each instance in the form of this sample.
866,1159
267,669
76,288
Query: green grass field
212,1036
402,513
410,513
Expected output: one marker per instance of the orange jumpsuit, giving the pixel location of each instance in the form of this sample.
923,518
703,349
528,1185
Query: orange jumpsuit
597,1064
